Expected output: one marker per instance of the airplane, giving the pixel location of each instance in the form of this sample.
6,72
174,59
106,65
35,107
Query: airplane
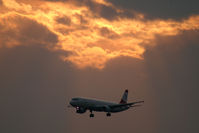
83,104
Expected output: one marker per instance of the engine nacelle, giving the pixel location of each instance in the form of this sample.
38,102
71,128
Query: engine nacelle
80,110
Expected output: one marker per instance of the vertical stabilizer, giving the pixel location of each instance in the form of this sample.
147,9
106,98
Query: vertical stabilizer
124,97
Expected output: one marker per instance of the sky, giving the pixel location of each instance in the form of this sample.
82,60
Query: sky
53,50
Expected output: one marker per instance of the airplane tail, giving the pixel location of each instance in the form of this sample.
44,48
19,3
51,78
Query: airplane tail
124,97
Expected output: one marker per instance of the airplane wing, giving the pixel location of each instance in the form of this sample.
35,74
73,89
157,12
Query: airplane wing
126,104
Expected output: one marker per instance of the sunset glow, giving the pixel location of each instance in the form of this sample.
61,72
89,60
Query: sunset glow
90,39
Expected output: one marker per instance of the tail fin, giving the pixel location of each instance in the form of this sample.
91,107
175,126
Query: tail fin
124,97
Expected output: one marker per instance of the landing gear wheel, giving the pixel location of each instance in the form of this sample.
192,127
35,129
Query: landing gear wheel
108,114
91,115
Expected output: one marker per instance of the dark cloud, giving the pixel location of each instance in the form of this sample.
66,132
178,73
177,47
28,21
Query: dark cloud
101,10
24,31
64,20
108,12
173,70
34,88
57,0
81,19
108,33
175,9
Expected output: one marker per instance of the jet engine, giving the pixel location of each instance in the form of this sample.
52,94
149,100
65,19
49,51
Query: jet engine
80,110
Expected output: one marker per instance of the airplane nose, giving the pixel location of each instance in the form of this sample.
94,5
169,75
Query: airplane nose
71,103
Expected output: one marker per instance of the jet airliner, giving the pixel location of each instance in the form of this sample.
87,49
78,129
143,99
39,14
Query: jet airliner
83,104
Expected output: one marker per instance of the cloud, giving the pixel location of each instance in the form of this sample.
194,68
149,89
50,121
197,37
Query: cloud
17,30
153,9
92,36
173,73
64,20
101,8
34,87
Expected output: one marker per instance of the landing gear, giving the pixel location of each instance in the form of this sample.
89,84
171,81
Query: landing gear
91,114
108,114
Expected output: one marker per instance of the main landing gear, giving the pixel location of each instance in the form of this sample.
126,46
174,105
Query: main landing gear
108,114
91,114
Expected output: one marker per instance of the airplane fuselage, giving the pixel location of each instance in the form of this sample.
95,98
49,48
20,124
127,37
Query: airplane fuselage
96,105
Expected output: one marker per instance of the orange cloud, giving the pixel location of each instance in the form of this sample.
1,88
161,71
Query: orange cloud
92,39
